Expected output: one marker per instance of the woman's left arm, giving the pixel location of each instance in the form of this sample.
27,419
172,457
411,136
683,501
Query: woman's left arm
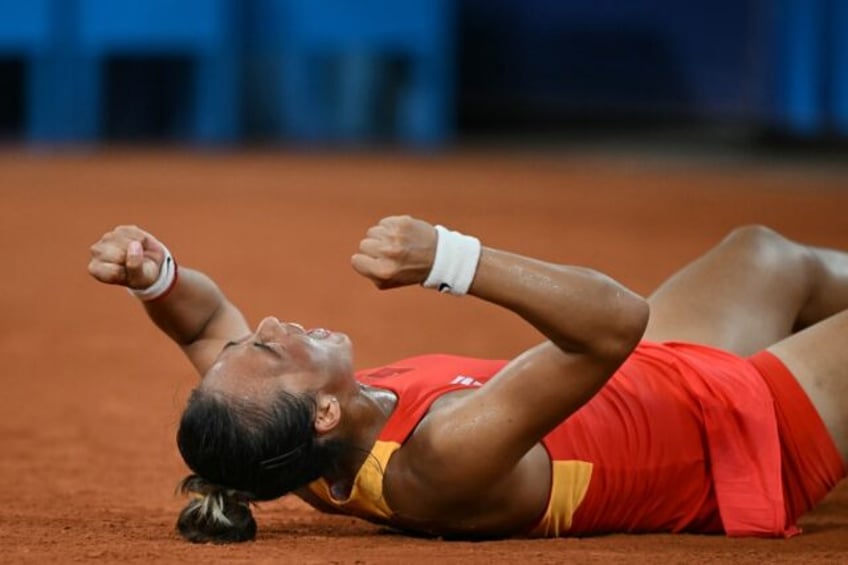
591,322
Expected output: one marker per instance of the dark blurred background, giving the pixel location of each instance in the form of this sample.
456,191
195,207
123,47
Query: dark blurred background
420,73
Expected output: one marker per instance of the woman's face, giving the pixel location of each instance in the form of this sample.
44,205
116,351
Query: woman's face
282,356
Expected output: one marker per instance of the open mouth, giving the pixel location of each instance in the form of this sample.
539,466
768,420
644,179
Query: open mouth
318,333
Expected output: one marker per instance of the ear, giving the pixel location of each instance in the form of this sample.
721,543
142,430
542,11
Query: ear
328,414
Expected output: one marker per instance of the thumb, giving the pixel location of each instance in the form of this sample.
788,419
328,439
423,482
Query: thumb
135,258
141,272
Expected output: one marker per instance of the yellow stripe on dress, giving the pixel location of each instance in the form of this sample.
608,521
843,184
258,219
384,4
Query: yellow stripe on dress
569,484
366,497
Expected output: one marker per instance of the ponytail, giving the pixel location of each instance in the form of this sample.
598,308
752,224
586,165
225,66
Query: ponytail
214,514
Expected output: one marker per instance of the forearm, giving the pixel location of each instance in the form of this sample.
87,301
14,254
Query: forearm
189,308
578,309
185,304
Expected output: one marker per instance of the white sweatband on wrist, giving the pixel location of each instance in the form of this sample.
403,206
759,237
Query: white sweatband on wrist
455,263
166,280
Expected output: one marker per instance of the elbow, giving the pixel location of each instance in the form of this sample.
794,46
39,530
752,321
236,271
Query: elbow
640,312
629,322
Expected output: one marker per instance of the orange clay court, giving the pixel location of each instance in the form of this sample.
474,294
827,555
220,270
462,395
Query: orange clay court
92,393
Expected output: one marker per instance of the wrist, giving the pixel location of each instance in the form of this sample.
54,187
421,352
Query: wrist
455,262
164,283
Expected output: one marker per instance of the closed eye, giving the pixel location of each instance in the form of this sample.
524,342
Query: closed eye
266,347
258,344
236,342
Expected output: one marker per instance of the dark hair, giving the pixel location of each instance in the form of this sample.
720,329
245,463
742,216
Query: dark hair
240,453
214,514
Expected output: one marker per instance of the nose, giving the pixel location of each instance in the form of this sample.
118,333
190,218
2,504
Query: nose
268,328
271,327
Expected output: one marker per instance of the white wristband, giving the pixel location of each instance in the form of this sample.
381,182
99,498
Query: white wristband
455,263
164,282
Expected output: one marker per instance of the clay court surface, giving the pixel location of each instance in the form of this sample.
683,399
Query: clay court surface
91,393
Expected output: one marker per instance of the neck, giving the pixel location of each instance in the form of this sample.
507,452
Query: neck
365,414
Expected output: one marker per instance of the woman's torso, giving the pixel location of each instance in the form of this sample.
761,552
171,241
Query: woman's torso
612,466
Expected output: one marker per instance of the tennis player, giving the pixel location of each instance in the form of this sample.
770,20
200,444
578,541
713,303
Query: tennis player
717,405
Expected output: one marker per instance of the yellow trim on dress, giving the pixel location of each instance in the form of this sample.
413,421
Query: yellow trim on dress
366,497
569,484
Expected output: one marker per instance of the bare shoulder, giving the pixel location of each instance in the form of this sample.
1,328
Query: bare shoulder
432,493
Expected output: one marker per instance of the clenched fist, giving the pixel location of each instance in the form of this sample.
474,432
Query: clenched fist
127,256
398,251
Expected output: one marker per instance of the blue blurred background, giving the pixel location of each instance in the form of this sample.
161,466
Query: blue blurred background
416,73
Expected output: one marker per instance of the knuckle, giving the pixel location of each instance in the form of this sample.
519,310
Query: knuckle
126,230
394,250
385,271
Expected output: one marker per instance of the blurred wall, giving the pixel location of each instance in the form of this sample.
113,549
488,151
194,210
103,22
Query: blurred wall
519,63
641,58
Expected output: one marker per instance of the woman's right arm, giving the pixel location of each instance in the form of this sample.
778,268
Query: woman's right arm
195,314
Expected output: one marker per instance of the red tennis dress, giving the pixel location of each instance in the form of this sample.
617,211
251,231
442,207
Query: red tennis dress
683,438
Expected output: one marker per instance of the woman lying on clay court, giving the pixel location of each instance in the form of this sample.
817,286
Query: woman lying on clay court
717,405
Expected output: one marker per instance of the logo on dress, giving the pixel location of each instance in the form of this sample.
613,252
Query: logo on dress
465,381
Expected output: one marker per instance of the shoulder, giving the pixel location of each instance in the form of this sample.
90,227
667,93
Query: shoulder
430,493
